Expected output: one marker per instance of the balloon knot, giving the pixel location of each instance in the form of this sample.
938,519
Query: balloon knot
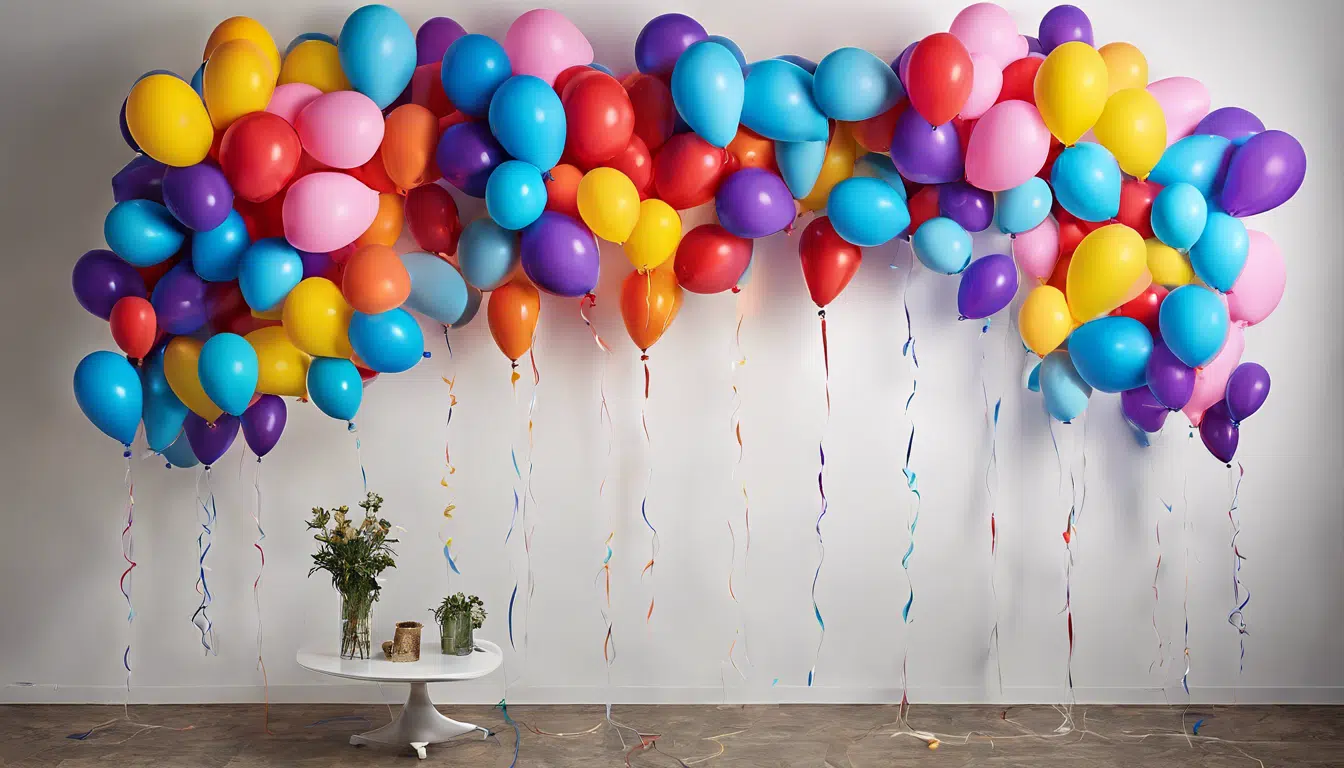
127,454
258,459
644,358
737,289
821,313
960,318
350,426
1012,235
513,365
428,354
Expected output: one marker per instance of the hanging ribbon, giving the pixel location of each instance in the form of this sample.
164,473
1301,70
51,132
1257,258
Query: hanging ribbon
530,500
735,421
359,455
1237,618
604,572
513,517
449,469
912,484
256,599
201,618
1186,535
648,483
821,489
991,491
127,581
1160,660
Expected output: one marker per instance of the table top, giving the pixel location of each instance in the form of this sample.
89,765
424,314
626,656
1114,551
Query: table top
432,667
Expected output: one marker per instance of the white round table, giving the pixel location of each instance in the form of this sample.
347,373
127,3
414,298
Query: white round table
419,723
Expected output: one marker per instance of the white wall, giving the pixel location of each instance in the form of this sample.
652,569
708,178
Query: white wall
63,626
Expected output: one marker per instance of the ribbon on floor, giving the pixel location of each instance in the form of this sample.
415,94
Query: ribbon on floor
821,490
201,618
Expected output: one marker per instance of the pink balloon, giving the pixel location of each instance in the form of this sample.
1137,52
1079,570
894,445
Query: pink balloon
1008,146
341,129
986,82
544,43
1260,286
1037,249
289,99
1184,101
326,211
990,31
1211,380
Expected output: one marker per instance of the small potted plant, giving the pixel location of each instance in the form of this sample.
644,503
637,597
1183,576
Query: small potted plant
457,616
354,553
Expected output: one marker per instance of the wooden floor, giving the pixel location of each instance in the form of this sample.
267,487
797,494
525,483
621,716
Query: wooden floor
758,736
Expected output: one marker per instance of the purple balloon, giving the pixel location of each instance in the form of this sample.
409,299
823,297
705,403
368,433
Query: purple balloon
433,38
126,128
179,301
1232,123
317,265
140,179
902,63
987,286
925,154
198,196
754,202
663,39
100,279
1171,381
1034,45
210,441
559,254
1142,409
1064,24
263,421
1264,172
971,207
1219,432
467,154
1247,389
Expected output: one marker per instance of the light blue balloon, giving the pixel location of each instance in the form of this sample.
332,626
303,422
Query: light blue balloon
1086,179
942,245
142,232
1034,379
377,52
228,370
881,166
215,253
528,119
1193,322
162,413
473,68
437,290
708,91
474,298
109,393
1024,207
778,103
198,85
515,194
800,164
268,270
603,68
1111,353
334,387
732,47
388,342
853,84
305,37
866,212
1220,253
806,64
488,254
179,453
1179,215
1200,161
1063,390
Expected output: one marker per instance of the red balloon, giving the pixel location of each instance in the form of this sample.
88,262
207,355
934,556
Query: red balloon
374,175
939,80
259,155
432,216
1144,306
599,118
265,219
427,90
1050,157
1059,278
1136,206
636,163
451,119
710,259
152,274
655,115
1019,80
923,206
829,263
1072,230
687,171
134,326
964,129
562,79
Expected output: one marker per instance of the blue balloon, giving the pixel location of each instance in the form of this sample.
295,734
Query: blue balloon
1034,379
1220,253
228,370
488,254
474,67
163,413
732,47
1193,322
1200,161
179,454
802,62
708,91
388,342
527,118
1179,215
515,194
437,290
198,85
853,84
334,387
866,212
1111,353
305,37
603,68
108,391
377,52
215,253
882,167
1023,207
942,245
268,270
800,164
142,232
778,103
1063,390
1086,179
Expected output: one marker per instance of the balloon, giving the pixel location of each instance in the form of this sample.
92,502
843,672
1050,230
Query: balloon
316,63
387,223
375,280
244,28
543,43
431,214
437,289
663,40
1200,161
1071,89
1037,249
1184,101
1008,146
1136,205
1063,390
778,103
599,117
326,211
655,111
163,412
754,203
851,84
512,311
609,204
1194,324
732,47
1220,432
1233,123
334,387
1264,173
1144,307
228,371
1171,381
467,155
342,129
829,263
560,256
710,259
836,166
1133,129
940,78
1168,266
1179,215
649,304
1221,251
100,280
267,272
289,99
142,232
987,285
210,440
282,369
1044,320
259,154
923,205
1111,353
134,327
515,195
317,318
433,38
925,154
942,245
867,212
168,121
687,172
1105,265
1211,380
874,134
474,66
387,342
655,236
1142,410
1023,208
988,30
198,196
1087,182
263,421
969,206
708,91
179,301
527,118
180,368
377,52
427,92
139,179
562,188
986,84
1019,81
1126,67
1063,24
1247,390
635,162
1259,288
487,254
179,453
238,79
881,167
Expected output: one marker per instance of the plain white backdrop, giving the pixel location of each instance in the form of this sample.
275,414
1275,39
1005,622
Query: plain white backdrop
63,621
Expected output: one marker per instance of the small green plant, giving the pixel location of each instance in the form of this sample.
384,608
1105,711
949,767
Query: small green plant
354,555
460,603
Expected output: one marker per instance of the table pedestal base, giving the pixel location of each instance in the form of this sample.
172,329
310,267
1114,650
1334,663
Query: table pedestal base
418,725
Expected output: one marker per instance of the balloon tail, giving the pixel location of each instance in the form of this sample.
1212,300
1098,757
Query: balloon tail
201,618
821,489
739,359
256,601
912,484
648,484
530,501
586,303
1240,594
126,583
449,468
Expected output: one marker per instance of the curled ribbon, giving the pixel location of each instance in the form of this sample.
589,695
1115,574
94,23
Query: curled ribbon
126,582
821,489
1237,618
201,618
449,468
739,360
648,482
256,600
912,484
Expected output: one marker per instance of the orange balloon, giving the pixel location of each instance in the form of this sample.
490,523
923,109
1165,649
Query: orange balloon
512,312
751,150
410,137
562,190
386,226
649,304
375,280
874,134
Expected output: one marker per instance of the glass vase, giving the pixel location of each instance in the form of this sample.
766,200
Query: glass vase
455,634
356,612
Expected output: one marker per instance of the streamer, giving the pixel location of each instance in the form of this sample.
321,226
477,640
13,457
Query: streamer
359,455
908,349
517,502
201,618
127,581
648,483
529,499
449,468
991,466
821,489
256,600
735,422
1237,618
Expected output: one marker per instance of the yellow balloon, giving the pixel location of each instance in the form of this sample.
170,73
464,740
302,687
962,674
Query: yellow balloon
316,63
609,204
838,166
317,318
1071,89
180,359
1104,269
244,28
1044,320
169,122
282,368
238,79
1126,66
655,236
1134,129
1169,267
